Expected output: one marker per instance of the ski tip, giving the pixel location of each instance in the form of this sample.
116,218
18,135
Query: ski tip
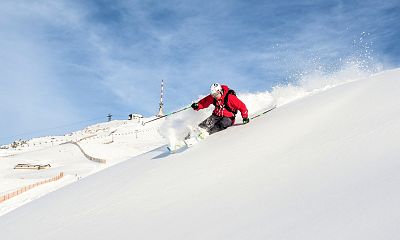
176,149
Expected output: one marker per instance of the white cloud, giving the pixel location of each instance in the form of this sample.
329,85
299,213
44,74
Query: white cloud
31,95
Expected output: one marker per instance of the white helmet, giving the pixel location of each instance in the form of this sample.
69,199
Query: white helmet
215,88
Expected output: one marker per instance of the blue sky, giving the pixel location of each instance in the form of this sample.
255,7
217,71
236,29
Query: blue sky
68,63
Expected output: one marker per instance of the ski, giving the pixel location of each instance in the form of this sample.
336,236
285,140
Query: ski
192,139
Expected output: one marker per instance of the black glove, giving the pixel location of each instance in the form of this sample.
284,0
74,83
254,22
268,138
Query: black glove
246,120
195,106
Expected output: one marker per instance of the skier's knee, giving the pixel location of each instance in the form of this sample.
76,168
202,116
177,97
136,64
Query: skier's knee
225,122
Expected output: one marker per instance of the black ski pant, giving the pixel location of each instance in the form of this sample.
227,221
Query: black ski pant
216,123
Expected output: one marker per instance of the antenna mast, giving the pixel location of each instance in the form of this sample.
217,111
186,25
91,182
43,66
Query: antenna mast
160,110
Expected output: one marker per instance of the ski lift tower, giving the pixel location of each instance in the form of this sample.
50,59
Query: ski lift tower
160,110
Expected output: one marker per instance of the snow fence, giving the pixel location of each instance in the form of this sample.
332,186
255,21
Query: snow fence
26,188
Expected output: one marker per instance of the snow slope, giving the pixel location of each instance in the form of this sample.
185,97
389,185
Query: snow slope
113,142
322,167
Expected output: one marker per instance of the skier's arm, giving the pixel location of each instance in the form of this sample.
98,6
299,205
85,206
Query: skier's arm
236,103
205,102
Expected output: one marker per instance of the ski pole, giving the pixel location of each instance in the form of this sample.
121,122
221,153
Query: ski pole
256,116
169,114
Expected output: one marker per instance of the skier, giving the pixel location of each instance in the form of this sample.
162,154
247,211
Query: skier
226,106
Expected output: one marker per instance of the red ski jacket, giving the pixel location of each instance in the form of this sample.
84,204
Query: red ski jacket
233,103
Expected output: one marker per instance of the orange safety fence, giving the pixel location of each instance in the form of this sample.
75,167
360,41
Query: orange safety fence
26,188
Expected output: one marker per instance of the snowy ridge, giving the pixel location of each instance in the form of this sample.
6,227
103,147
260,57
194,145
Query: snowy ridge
322,167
